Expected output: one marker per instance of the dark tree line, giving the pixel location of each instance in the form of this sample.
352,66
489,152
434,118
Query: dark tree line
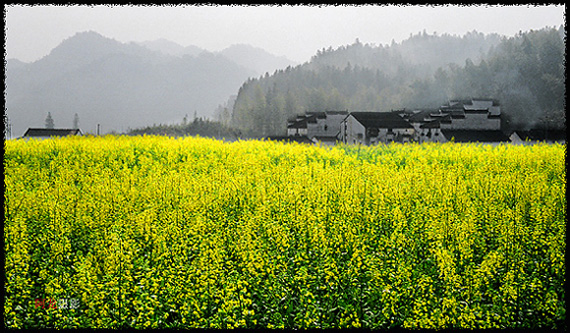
197,127
525,73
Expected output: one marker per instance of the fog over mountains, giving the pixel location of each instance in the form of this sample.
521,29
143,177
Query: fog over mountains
127,85
247,56
124,86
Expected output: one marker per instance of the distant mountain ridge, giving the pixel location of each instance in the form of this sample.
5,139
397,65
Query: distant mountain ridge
171,48
254,58
120,85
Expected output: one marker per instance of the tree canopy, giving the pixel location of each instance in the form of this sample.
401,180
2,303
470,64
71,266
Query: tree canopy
525,73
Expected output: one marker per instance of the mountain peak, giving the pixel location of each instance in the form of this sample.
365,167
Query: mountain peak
83,47
171,48
255,58
92,38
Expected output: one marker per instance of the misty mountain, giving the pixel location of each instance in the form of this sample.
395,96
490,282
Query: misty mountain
524,72
171,48
256,59
117,85
14,64
247,56
434,51
421,54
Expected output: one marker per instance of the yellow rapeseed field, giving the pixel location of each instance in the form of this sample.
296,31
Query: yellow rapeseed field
156,232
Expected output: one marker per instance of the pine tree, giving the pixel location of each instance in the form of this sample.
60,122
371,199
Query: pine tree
49,121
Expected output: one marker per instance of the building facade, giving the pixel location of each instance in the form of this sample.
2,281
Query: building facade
476,120
370,128
318,126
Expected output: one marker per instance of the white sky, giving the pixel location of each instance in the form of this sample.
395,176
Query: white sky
296,32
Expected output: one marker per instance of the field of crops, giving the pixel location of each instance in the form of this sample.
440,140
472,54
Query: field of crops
114,232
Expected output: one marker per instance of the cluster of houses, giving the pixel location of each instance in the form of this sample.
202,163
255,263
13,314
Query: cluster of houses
474,120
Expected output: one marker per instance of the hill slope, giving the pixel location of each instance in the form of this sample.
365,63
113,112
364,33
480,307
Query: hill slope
116,85
524,72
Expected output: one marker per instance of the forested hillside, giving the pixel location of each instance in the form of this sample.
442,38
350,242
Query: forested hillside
525,73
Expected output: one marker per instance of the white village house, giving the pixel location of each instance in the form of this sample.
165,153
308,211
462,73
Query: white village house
321,127
370,128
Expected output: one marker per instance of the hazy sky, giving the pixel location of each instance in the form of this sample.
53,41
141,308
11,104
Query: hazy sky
296,32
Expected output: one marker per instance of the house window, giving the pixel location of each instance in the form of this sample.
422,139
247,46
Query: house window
326,127
372,132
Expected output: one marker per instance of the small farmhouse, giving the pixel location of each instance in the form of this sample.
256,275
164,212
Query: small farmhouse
298,126
370,128
430,132
46,133
321,127
427,128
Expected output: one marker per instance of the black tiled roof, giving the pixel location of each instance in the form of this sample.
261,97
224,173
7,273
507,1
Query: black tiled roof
495,101
419,117
336,112
381,120
316,114
459,102
302,123
481,111
445,119
431,124
49,132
